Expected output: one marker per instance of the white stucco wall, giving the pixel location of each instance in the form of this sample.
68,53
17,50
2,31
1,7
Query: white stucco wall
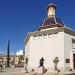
68,50
49,47
27,48
20,52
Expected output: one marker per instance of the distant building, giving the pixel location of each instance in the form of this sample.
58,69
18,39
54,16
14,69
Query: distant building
20,52
14,59
3,60
51,40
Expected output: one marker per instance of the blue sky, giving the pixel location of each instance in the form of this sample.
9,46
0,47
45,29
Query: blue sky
18,17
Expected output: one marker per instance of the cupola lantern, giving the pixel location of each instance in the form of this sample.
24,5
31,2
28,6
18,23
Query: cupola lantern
51,10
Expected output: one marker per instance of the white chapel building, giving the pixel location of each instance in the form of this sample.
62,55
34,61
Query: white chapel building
52,39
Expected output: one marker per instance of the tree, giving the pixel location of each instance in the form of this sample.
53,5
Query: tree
8,53
21,58
56,60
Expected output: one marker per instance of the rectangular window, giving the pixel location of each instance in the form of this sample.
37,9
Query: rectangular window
67,60
44,36
73,43
40,36
55,34
35,37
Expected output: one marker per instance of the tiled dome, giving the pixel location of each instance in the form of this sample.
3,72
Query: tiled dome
52,20
51,5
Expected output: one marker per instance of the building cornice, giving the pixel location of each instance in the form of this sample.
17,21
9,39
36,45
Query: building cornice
61,29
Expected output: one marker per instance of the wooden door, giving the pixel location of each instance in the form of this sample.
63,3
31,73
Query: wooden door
74,61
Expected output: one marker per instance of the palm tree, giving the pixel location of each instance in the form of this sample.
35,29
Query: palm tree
56,60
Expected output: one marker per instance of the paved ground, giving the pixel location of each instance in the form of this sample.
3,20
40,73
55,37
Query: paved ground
12,71
20,71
